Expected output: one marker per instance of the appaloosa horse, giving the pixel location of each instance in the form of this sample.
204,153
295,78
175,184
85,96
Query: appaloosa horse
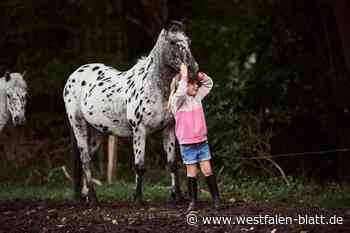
13,92
102,100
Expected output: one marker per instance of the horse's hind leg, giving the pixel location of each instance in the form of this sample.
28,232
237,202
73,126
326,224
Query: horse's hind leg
77,169
95,140
81,132
169,147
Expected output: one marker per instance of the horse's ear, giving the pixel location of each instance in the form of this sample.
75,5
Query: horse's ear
7,76
174,26
23,74
167,24
183,21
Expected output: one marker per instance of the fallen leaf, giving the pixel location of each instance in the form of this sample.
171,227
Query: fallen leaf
232,200
30,212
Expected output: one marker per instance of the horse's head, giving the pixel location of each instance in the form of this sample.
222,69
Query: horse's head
177,47
16,95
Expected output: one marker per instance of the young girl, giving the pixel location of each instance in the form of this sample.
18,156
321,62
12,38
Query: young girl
191,131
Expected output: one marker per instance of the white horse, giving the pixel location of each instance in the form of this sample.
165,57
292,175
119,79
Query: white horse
13,95
102,100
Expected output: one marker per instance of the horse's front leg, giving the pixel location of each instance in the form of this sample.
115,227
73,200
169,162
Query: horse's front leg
169,147
139,142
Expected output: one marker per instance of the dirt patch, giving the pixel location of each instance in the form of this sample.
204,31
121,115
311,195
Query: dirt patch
69,216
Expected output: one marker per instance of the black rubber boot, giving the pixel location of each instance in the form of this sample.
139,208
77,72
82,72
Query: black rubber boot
192,192
213,189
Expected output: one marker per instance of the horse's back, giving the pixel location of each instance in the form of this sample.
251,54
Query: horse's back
97,93
84,77
88,71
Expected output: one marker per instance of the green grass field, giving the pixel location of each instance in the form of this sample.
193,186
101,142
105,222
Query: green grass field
273,191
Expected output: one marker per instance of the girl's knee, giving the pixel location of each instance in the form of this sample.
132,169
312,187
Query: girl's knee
207,172
206,168
191,170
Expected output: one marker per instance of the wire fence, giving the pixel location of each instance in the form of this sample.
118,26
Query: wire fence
296,154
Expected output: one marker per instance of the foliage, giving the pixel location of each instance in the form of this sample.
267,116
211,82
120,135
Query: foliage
255,50
300,192
249,97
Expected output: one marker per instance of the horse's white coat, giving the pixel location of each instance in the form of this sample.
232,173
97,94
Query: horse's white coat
12,97
100,99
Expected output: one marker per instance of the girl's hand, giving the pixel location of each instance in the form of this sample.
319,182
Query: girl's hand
200,76
183,70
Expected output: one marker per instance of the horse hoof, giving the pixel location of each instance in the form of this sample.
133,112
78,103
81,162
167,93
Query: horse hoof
91,197
177,197
83,199
92,202
138,200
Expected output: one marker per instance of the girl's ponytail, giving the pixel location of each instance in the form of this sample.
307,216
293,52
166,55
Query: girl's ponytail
173,88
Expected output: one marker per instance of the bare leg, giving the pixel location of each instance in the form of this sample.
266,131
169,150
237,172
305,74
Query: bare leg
192,170
206,168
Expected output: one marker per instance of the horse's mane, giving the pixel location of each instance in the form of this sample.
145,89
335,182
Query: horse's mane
142,59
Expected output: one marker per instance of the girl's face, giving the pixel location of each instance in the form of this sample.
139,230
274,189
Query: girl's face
192,88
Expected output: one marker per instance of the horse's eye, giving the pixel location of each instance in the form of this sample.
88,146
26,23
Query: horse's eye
8,96
172,42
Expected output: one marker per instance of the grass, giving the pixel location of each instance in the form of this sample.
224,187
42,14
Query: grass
300,193
270,190
18,191
121,191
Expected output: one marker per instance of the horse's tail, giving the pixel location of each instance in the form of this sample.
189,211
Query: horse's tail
77,168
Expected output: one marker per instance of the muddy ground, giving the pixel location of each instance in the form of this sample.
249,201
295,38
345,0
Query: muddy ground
70,216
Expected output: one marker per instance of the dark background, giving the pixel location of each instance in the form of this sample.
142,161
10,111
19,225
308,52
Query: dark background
280,68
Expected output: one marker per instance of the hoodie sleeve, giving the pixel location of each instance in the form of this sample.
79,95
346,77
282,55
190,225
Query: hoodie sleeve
179,96
206,86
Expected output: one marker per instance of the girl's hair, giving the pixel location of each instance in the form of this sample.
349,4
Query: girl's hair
173,87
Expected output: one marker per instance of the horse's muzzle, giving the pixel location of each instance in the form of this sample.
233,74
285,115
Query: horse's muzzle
19,122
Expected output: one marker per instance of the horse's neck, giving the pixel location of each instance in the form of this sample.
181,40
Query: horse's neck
161,77
4,113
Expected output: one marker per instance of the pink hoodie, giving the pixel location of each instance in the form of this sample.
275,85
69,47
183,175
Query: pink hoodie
188,111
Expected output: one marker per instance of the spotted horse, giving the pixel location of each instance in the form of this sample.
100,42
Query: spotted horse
102,100
13,97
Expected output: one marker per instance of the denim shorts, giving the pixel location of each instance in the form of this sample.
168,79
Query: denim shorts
194,153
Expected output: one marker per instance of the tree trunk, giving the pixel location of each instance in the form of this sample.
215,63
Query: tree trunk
341,11
112,158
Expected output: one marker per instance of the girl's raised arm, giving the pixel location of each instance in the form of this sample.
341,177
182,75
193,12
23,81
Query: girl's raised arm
206,85
179,96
